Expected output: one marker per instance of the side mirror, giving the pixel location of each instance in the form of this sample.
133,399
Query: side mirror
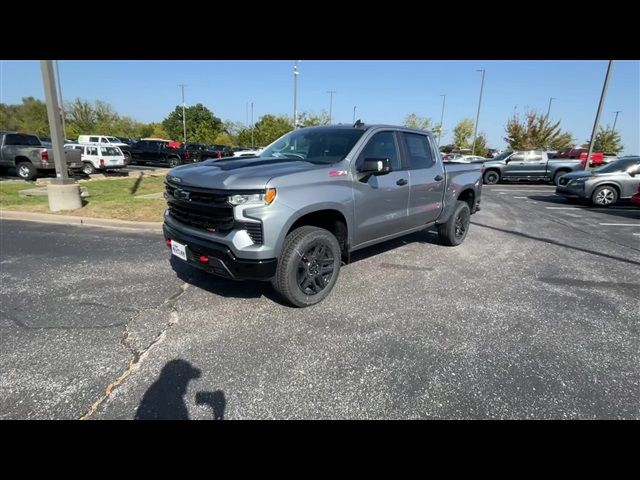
376,166
633,173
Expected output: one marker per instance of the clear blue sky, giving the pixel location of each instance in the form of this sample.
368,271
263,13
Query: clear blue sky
383,91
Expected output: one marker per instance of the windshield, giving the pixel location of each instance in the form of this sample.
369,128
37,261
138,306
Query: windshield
114,140
315,145
619,165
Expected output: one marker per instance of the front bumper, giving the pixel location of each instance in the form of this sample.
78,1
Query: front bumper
221,261
571,190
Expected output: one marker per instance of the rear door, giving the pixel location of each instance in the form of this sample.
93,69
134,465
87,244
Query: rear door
380,201
426,179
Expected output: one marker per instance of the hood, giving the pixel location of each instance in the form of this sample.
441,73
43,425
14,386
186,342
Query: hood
578,174
237,173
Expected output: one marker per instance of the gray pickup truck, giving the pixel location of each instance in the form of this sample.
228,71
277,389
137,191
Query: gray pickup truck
294,213
530,165
28,155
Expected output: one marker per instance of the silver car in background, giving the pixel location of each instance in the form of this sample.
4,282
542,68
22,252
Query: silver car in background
603,186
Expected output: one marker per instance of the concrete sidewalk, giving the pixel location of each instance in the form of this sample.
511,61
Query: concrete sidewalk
80,221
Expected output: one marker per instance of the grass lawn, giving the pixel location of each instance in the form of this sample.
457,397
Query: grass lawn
109,198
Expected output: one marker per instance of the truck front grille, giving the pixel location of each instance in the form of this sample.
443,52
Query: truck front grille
209,211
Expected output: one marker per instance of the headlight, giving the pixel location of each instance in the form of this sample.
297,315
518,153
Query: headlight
254,198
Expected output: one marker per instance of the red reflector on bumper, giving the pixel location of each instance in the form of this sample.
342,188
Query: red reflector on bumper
168,242
203,259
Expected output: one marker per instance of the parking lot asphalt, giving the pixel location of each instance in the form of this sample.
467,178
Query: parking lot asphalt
534,316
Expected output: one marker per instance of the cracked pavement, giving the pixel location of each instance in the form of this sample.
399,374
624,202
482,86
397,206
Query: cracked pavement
532,317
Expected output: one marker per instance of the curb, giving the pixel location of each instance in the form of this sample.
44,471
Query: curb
80,221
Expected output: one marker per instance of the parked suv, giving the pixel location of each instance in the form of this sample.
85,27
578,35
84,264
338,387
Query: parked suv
108,141
98,157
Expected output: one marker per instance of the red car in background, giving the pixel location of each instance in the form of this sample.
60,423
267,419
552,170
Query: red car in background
635,198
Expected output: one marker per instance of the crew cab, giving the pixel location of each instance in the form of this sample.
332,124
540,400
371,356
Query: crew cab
311,198
27,154
530,165
158,152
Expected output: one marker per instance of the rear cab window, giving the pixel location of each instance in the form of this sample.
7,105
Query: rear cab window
419,154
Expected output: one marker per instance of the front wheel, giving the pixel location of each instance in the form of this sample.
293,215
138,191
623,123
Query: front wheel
604,196
455,230
308,267
174,162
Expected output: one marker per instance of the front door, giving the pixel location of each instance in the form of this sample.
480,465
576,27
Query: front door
380,201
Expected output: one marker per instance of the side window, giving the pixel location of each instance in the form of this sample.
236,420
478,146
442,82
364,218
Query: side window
533,157
418,151
517,157
92,150
104,140
382,145
93,139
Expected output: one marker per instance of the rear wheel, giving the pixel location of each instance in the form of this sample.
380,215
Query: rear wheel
556,177
174,162
604,196
455,230
308,267
491,177
88,168
26,171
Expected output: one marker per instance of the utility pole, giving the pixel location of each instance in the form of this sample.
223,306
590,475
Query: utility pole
252,145
549,109
330,92
354,114
444,97
64,127
597,122
63,192
184,118
615,119
475,132
295,94
247,117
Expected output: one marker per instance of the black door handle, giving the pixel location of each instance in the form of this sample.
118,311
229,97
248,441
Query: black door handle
438,178
401,182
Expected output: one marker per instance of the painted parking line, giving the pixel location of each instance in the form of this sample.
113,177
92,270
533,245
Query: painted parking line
636,234
520,197
563,208
621,224
573,215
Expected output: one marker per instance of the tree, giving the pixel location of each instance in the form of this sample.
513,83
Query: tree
463,133
223,138
195,116
266,130
309,119
413,120
204,134
536,132
481,145
607,141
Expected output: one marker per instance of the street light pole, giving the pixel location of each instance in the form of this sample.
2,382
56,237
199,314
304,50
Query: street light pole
615,120
354,114
184,119
475,132
63,192
64,127
330,92
252,145
549,109
444,97
597,122
295,94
